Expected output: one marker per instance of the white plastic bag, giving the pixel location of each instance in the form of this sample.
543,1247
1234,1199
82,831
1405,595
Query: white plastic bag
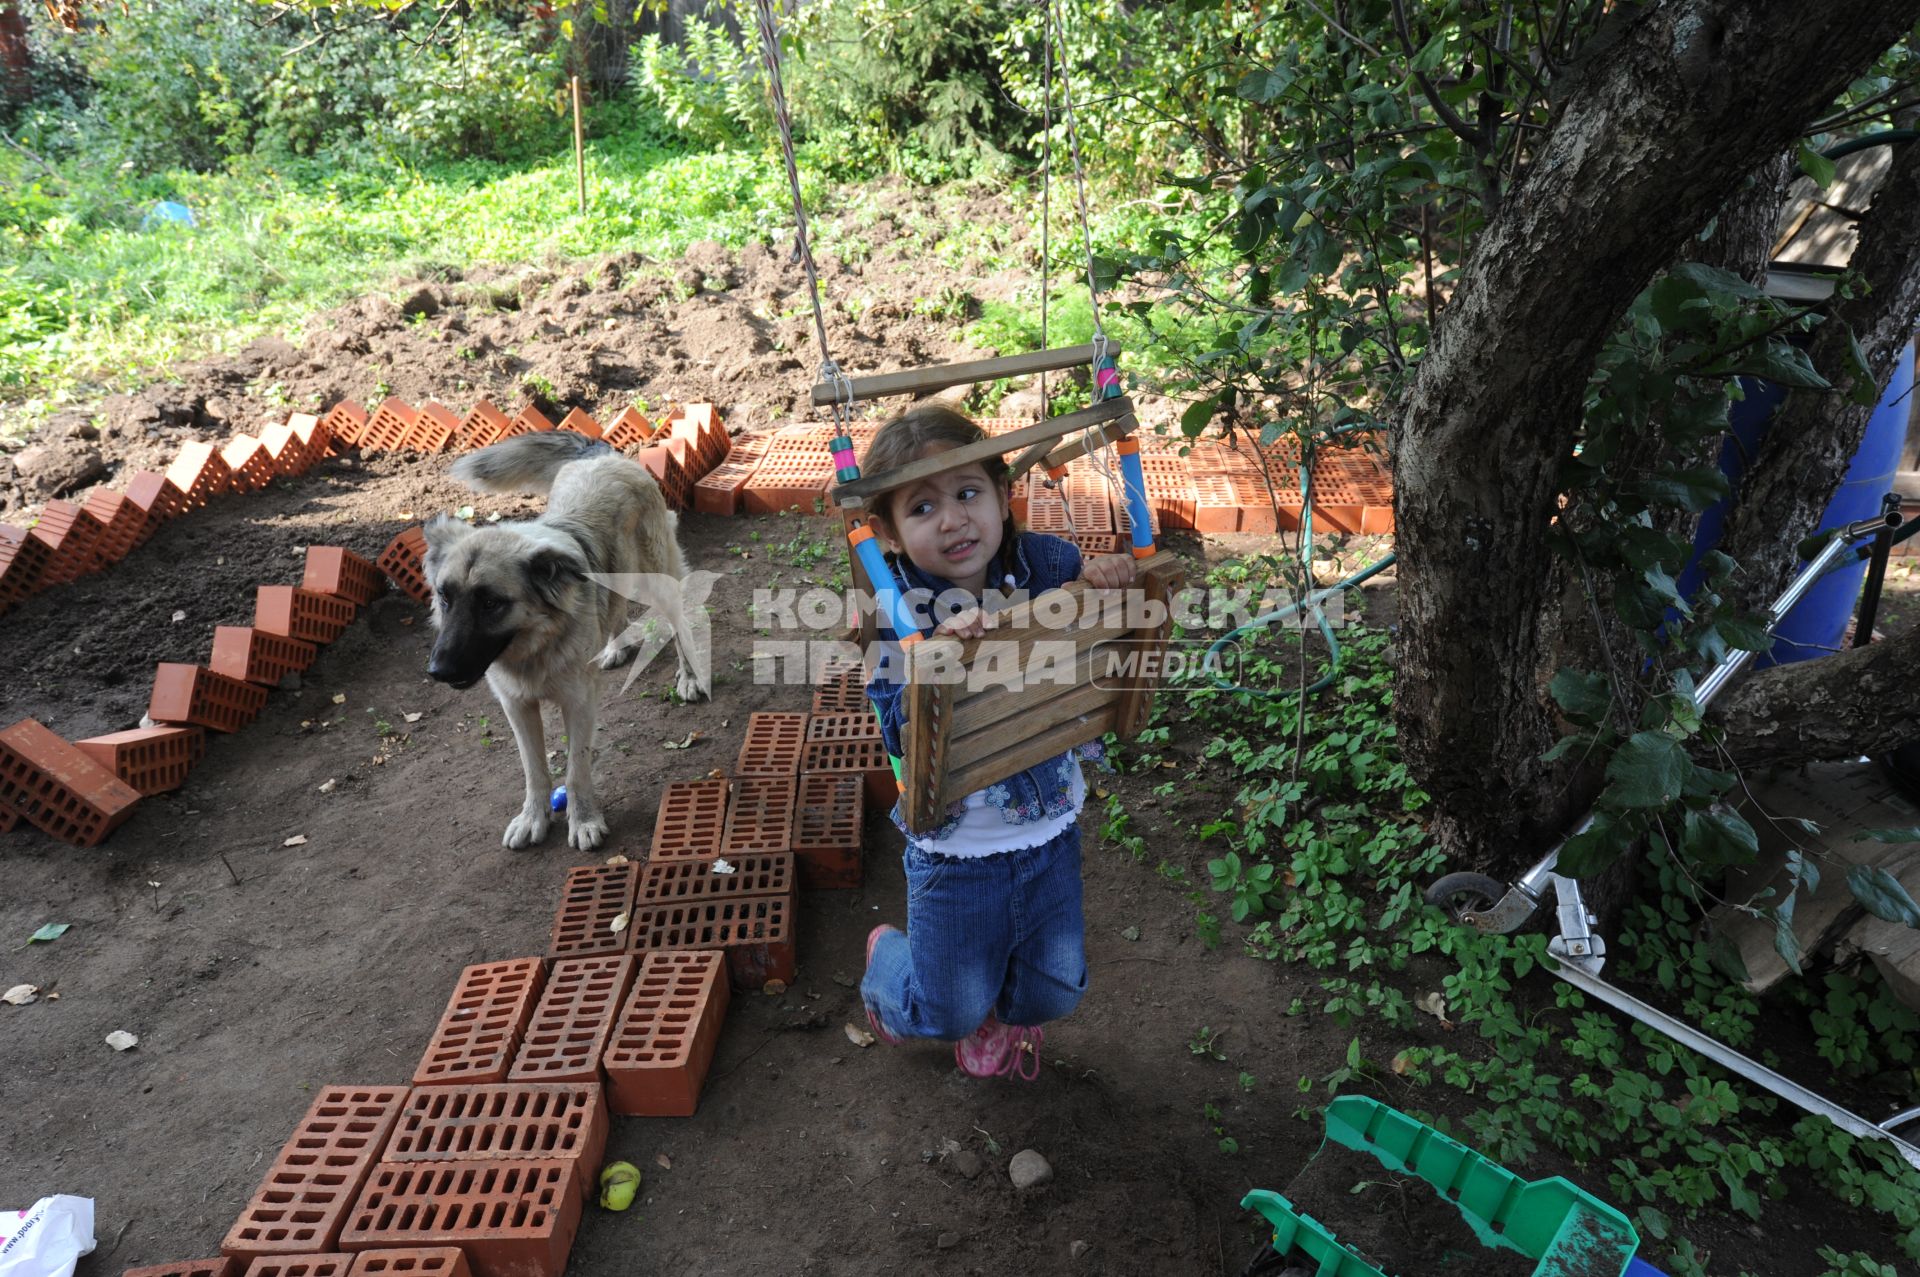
47,1239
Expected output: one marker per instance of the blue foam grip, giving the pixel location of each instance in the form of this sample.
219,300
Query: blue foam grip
1133,479
893,609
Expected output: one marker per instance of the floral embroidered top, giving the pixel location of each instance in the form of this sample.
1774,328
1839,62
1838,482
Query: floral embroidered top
1025,809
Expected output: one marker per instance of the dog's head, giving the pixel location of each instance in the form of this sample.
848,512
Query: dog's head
493,587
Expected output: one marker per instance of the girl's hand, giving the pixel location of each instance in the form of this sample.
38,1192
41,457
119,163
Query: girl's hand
971,623
1108,572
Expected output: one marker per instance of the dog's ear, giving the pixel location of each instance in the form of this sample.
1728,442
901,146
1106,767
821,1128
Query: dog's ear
442,533
551,573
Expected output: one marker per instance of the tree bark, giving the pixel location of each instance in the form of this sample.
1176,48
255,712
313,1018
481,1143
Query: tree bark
1856,702
1648,142
16,61
1812,438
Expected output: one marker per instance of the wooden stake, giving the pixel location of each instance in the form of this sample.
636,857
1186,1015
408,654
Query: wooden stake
579,148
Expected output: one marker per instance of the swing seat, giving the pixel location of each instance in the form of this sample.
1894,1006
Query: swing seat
924,381
1056,671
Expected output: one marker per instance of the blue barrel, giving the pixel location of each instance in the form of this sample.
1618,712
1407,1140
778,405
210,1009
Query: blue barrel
1817,623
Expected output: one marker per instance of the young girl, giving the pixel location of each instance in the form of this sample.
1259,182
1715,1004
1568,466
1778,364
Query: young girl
994,943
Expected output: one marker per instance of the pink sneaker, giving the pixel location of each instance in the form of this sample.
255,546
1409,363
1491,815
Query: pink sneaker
873,1020
1000,1050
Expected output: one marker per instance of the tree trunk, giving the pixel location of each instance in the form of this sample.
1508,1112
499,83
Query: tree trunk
1856,702
16,61
1650,139
1812,438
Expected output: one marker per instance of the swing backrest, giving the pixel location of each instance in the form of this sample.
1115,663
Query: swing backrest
1059,670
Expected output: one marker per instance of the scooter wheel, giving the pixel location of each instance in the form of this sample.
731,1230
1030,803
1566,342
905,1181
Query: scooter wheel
1462,893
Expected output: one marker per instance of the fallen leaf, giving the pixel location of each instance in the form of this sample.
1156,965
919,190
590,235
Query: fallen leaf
53,997
121,1040
406,514
339,698
464,512
774,988
1401,1064
1099,793
327,786
1131,933
620,923
298,840
617,859
723,867
859,1036
413,718
1435,1005
21,994
690,738
663,1161
494,517
718,773
52,931
179,617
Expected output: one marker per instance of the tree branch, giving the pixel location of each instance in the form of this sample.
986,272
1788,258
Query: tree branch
1855,702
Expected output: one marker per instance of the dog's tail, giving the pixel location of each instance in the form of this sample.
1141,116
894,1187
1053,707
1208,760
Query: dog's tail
525,463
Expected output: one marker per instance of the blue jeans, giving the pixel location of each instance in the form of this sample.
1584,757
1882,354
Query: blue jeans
999,934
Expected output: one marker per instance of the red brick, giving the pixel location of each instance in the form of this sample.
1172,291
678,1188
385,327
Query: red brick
529,420
865,755
483,425
1096,543
854,726
23,565
220,1267
249,465
1376,519
1123,522
199,473
763,873
561,1121
511,1218
480,1029
391,424
1256,502
307,615
1215,508
334,1265
343,574
570,1026
593,898
629,428
283,450
195,694
151,760
439,1261
842,690
759,815
157,497
772,745
723,490
252,655
121,522
347,422
580,423
71,536
303,1202
433,429
9,819
57,788
314,437
691,821
756,933
404,562
675,485
828,814
657,1059
780,483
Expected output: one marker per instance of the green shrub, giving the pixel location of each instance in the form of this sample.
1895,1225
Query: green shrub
708,88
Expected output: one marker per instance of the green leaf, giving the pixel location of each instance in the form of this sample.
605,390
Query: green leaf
1865,388
1692,490
1197,415
1783,364
1593,848
52,931
1785,943
1585,696
1816,166
1264,85
1883,895
1724,954
1744,633
1909,834
1650,770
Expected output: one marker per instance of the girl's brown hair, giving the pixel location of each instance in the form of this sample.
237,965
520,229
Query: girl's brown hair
910,436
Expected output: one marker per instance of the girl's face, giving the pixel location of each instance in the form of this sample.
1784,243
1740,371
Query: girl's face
949,525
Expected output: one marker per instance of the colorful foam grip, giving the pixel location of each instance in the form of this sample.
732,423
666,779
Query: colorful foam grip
1134,479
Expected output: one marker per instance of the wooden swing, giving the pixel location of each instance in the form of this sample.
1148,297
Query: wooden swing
968,721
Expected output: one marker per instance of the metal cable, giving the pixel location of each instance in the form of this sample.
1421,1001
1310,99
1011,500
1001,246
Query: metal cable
1046,185
770,57
1079,184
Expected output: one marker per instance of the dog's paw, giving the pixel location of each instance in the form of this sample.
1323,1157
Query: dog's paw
613,656
526,829
584,833
691,688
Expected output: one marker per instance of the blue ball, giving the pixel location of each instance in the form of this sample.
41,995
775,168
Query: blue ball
559,799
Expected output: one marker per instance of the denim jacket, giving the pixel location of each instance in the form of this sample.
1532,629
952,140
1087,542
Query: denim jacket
1044,791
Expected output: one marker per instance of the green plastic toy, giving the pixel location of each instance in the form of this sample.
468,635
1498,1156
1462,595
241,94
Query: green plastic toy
1567,1230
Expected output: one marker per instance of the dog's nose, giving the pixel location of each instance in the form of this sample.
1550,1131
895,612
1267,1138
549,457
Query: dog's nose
440,671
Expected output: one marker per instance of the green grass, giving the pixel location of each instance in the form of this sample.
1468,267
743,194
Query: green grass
81,303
